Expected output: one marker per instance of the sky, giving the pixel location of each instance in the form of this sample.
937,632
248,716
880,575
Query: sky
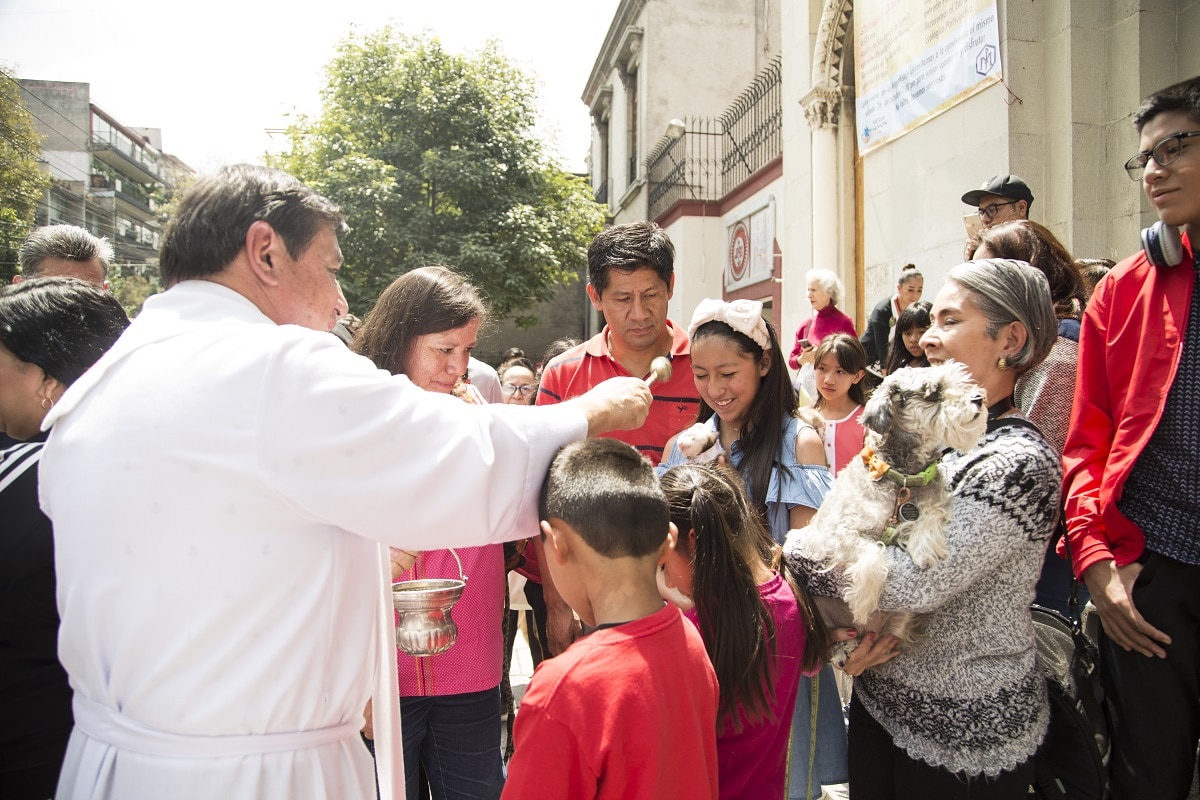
217,76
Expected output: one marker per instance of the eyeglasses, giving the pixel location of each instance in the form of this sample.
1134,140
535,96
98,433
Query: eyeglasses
509,389
1163,153
987,212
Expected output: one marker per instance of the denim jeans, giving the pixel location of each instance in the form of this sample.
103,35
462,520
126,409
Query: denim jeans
829,763
456,738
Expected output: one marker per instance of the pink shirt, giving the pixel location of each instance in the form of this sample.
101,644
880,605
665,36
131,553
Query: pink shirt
843,439
825,322
476,660
753,764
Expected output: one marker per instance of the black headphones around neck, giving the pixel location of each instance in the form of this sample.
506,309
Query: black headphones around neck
1163,246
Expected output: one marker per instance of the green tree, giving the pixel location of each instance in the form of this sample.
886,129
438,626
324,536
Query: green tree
432,157
22,183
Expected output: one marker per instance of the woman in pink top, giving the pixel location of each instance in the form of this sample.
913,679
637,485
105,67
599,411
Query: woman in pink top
840,365
824,293
424,325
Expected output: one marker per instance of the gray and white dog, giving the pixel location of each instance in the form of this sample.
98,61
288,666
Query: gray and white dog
893,494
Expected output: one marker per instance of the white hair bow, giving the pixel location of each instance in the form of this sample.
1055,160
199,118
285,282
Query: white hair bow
744,316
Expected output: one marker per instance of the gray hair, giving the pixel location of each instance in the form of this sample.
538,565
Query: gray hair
68,242
1006,291
829,282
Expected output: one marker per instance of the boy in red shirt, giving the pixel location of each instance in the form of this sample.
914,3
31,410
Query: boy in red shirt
630,710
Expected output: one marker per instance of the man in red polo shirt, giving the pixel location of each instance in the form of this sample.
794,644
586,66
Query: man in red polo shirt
631,275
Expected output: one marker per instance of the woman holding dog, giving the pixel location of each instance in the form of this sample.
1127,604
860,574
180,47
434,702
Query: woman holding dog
961,712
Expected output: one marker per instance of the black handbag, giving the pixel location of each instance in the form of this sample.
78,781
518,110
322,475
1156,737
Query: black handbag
1072,761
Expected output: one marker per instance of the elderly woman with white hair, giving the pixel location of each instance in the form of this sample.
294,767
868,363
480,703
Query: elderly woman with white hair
824,293
962,712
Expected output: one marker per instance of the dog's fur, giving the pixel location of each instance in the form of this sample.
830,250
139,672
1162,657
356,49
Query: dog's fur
699,444
914,415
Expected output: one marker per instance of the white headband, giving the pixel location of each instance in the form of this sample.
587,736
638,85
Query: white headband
744,316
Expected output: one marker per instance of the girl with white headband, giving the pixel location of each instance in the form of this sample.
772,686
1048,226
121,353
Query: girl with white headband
747,400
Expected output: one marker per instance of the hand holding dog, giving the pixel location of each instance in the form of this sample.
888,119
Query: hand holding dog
872,651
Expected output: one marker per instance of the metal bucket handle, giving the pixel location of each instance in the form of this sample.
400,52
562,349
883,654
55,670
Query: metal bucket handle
461,576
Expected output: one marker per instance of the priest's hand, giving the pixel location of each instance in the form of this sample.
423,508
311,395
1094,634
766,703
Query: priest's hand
617,404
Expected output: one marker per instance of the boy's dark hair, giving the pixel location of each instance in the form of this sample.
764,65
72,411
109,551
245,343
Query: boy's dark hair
606,491
630,247
1183,96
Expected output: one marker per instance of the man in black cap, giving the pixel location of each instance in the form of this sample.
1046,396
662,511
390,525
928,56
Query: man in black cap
1002,198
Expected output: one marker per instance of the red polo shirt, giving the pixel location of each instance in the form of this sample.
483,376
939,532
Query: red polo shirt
675,405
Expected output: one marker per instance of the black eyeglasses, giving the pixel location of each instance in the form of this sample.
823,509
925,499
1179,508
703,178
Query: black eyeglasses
1163,153
987,212
509,389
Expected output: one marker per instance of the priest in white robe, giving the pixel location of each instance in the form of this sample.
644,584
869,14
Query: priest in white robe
220,483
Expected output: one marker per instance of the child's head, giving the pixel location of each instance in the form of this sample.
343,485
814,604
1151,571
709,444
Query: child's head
603,494
741,375
714,560
840,363
906,347
737,363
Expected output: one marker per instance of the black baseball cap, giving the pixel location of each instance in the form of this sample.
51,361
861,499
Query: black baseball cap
1009,186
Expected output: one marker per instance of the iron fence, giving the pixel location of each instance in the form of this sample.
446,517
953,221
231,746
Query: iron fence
753,125
710,158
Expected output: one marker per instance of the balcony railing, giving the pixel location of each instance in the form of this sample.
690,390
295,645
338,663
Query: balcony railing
132,161
710,158
753,124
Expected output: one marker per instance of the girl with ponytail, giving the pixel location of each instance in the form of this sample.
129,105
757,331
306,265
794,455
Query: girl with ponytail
761,630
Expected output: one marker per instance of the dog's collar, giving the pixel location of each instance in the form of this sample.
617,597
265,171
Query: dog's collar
880,469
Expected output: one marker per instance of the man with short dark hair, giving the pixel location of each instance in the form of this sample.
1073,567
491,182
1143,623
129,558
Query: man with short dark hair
1131,460
1002,198
631,276
222,485
65,251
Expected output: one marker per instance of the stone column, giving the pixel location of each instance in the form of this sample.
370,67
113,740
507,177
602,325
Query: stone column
822,105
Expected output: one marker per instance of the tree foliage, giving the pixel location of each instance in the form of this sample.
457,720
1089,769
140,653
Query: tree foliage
432,158
22,183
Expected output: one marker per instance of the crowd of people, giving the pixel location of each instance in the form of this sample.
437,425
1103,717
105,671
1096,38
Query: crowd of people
206,509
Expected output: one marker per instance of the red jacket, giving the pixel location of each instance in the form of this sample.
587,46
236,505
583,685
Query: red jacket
1129,349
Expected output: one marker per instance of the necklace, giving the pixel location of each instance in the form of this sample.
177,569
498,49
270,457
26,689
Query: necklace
999,409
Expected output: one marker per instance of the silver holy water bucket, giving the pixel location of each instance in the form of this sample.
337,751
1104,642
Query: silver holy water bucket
425,627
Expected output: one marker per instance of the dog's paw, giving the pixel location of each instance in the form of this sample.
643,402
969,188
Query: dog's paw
926,548
699,444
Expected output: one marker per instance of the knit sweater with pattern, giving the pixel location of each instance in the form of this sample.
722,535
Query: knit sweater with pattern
969,696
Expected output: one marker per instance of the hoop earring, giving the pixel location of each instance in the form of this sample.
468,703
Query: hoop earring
1002,364
46,407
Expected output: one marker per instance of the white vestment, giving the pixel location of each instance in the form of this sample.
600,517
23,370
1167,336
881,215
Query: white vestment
218,486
